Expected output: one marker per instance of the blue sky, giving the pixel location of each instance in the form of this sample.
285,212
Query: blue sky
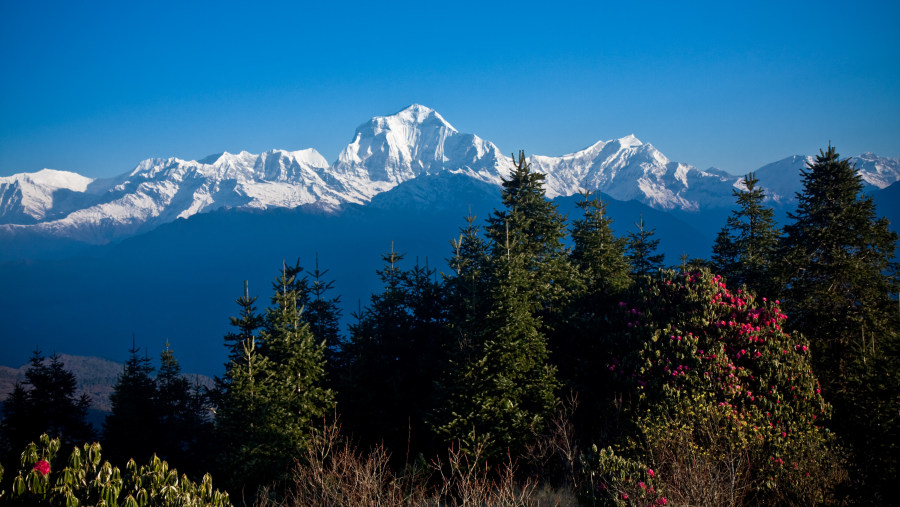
95,87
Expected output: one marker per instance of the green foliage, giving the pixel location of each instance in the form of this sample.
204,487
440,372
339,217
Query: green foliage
700,352
613,479
745,249
162,414
839,265
841,279
641,252
86,479
44,403
501,387
271,393
394,358
530,228
247,324
598,254
603,273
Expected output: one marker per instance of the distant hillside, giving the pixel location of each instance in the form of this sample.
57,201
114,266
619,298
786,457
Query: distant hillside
96,377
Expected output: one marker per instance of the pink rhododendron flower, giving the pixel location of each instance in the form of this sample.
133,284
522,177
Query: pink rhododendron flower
42,467
650,473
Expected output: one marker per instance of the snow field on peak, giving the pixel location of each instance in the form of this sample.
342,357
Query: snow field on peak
385,152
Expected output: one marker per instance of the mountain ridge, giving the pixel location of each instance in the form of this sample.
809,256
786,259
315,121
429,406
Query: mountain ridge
384,152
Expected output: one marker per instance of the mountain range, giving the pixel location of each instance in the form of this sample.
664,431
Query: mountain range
160,253
385,152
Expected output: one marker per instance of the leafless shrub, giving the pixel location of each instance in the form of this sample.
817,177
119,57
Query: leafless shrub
555,454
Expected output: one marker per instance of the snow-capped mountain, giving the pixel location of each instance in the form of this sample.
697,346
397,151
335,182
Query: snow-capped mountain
628,169
28,197
385,152
782,180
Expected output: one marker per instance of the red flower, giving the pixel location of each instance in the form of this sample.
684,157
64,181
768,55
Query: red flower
42,467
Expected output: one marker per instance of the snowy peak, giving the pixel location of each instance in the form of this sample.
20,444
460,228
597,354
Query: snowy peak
781,180
29,197
880,172
415,149
628,169
388,150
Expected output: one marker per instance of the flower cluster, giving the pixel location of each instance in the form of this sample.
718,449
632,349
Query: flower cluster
42,467
696,341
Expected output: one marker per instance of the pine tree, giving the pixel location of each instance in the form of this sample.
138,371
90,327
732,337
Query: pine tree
605,274
839,262
323,314
131,430
598,254
500,395
530,226
247,324
299,360
504,395
840,273
45,403
466,288
244,427
641,250
393,360
273,393
182,421
745,249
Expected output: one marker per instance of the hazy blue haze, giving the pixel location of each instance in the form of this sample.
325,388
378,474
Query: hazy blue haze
96,87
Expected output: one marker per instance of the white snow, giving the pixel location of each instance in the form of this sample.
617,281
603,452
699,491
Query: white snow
384,152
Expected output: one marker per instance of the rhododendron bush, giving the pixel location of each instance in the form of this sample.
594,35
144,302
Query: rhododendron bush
717,385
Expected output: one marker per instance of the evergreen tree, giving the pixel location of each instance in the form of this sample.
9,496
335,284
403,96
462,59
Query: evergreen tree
131,430
605,274
44,403
744,251
244,426
840,273
839,262
393,360
273,393
323,315
598,255
529,226
247,323
182,421
500,396
504,396
641,252
466,288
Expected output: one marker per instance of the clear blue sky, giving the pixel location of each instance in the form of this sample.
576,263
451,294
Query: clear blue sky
95,87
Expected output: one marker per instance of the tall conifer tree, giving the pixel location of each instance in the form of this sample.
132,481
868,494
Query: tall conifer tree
641,251
45,403
393,360
745,249
839,267
502,395
273,392
131,430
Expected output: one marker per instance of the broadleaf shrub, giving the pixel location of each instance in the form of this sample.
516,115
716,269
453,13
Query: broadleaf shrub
718,385
86,479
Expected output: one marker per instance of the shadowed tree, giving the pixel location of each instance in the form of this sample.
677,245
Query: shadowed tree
745,249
